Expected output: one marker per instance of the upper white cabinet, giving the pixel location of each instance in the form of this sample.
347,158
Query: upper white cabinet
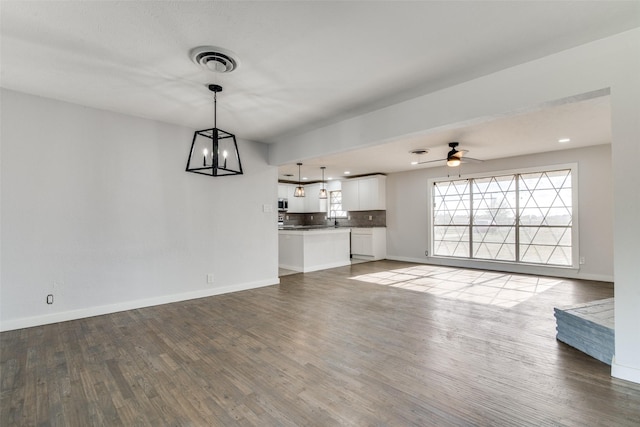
365,194
312,201
283,191
296,204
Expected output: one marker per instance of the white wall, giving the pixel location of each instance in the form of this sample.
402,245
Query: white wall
611,63
407,199
98,211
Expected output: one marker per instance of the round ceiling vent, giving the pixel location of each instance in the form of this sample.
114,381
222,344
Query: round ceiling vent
214,58
419,151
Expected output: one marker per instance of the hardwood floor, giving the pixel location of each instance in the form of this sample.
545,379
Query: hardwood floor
320,349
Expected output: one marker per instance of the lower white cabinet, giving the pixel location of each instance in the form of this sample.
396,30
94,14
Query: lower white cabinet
369,243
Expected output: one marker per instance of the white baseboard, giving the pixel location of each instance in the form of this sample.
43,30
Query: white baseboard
28,322
290,267
408,259
513,268
315,267
327,266
625,372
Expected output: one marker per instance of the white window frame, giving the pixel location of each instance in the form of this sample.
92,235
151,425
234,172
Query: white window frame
575,241
329,211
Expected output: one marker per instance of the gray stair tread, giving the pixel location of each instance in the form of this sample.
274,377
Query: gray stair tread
588,327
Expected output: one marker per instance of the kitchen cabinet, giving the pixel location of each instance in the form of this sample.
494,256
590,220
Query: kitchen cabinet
283,191
312,202
312,250
296,204
364,194
369,243
308,204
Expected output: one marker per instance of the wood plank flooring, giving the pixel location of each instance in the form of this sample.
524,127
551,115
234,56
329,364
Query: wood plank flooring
320,349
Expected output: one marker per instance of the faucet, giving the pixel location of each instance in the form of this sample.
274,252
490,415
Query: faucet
335,219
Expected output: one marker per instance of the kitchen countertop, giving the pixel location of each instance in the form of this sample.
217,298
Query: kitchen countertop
320,227
316,230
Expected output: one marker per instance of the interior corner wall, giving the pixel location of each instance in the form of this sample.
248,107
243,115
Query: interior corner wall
97,210
408,197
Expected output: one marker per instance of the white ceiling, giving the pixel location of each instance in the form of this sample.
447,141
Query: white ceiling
585,123
302,64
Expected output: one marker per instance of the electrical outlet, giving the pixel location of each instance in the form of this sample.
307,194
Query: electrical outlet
370,217
581,260
50,299
426,253
210,278
311,216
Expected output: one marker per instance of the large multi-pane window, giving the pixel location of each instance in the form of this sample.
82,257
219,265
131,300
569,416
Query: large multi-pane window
523,218
335,205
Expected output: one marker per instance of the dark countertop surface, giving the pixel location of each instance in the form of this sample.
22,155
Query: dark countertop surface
318,227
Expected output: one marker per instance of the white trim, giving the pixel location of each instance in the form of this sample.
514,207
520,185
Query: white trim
326,266
314,267
27,322
562,272
575,230
625,372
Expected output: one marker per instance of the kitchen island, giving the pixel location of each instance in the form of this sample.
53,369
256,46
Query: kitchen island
308,249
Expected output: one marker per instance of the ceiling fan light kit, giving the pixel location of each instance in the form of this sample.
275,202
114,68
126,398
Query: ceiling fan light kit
214,152
454,157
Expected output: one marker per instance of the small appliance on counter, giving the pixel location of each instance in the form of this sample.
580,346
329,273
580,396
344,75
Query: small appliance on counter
283,205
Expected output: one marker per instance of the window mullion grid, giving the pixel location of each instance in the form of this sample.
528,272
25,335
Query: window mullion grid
471,181
517,224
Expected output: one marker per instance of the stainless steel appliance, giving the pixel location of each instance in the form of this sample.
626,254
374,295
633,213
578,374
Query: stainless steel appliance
283,205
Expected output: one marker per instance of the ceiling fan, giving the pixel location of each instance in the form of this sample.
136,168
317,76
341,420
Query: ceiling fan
454,157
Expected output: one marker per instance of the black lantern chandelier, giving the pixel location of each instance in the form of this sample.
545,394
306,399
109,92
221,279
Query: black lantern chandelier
214,152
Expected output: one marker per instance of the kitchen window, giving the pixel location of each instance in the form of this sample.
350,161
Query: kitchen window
516,217
335,205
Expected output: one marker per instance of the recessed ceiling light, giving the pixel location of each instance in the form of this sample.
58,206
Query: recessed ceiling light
347,172
330,178
563,140
304,178
414,163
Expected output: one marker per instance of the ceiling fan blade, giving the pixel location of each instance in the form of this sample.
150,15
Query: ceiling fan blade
432,161
471,160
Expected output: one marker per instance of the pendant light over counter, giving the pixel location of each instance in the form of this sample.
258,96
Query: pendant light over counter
299,191
323,191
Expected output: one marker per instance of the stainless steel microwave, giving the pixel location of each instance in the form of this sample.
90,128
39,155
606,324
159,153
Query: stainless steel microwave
283,205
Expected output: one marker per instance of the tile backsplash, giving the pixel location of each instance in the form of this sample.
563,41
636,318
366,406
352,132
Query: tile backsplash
354,219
